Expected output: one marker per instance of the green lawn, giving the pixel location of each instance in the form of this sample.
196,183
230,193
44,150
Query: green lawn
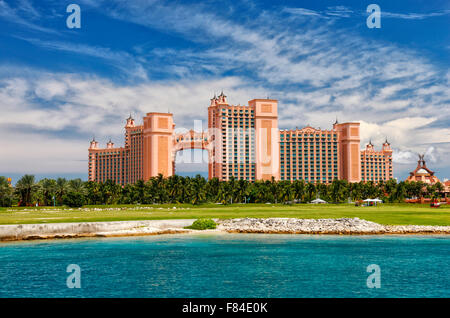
384,214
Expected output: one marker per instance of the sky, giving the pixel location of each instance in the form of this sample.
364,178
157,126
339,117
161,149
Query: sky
59,87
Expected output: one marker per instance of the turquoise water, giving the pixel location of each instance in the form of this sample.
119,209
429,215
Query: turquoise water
238,265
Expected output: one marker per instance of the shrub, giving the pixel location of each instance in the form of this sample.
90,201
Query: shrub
202,224
73,199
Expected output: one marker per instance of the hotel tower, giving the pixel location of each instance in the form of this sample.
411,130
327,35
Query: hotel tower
243,142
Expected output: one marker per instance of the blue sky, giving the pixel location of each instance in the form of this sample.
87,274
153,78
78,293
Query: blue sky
60,86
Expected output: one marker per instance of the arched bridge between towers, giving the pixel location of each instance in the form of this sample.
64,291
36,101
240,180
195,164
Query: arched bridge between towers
192,140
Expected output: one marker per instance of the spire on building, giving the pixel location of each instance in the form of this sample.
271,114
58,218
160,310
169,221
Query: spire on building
93,143
130,121
222,99
386,146
421,161
110,144
336,122
214,100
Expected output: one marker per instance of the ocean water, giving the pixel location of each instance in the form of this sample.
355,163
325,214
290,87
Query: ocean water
233,265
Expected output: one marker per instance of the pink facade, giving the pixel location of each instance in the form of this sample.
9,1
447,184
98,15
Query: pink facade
242,142
309,154
245,139
349,151
377,165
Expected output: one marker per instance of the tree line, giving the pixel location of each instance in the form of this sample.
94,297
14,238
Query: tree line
195,190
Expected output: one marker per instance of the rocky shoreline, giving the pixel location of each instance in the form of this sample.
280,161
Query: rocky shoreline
92,229
323,226
343,226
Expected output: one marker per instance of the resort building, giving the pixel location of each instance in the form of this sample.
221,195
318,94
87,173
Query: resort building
422,173
309,154
243,142
122,165
376,165
447,187
244,139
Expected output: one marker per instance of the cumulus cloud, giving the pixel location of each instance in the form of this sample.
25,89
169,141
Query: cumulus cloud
83,106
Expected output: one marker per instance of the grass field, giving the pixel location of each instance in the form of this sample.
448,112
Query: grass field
395,214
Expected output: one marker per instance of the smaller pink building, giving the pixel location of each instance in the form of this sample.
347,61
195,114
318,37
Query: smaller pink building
376,165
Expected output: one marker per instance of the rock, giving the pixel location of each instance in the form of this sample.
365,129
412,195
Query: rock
324,226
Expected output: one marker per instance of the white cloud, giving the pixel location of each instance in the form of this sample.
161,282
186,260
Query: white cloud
346,12
302,11
41,153
339,11
413,16
24,14
124,61
317,74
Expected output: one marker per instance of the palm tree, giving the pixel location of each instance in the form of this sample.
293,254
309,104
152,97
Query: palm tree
242,190
287,191
197,187
232,188
400,192
212,189
77,185
110,192
261,191
339,190
61,188
26,188
322,191
225,194
172,188
274,189
299,190
439,188
310,190
390,189
126,194
47,191
159,188
6,193
356,190
93,192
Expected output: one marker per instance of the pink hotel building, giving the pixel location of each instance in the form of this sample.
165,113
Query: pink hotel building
243,142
